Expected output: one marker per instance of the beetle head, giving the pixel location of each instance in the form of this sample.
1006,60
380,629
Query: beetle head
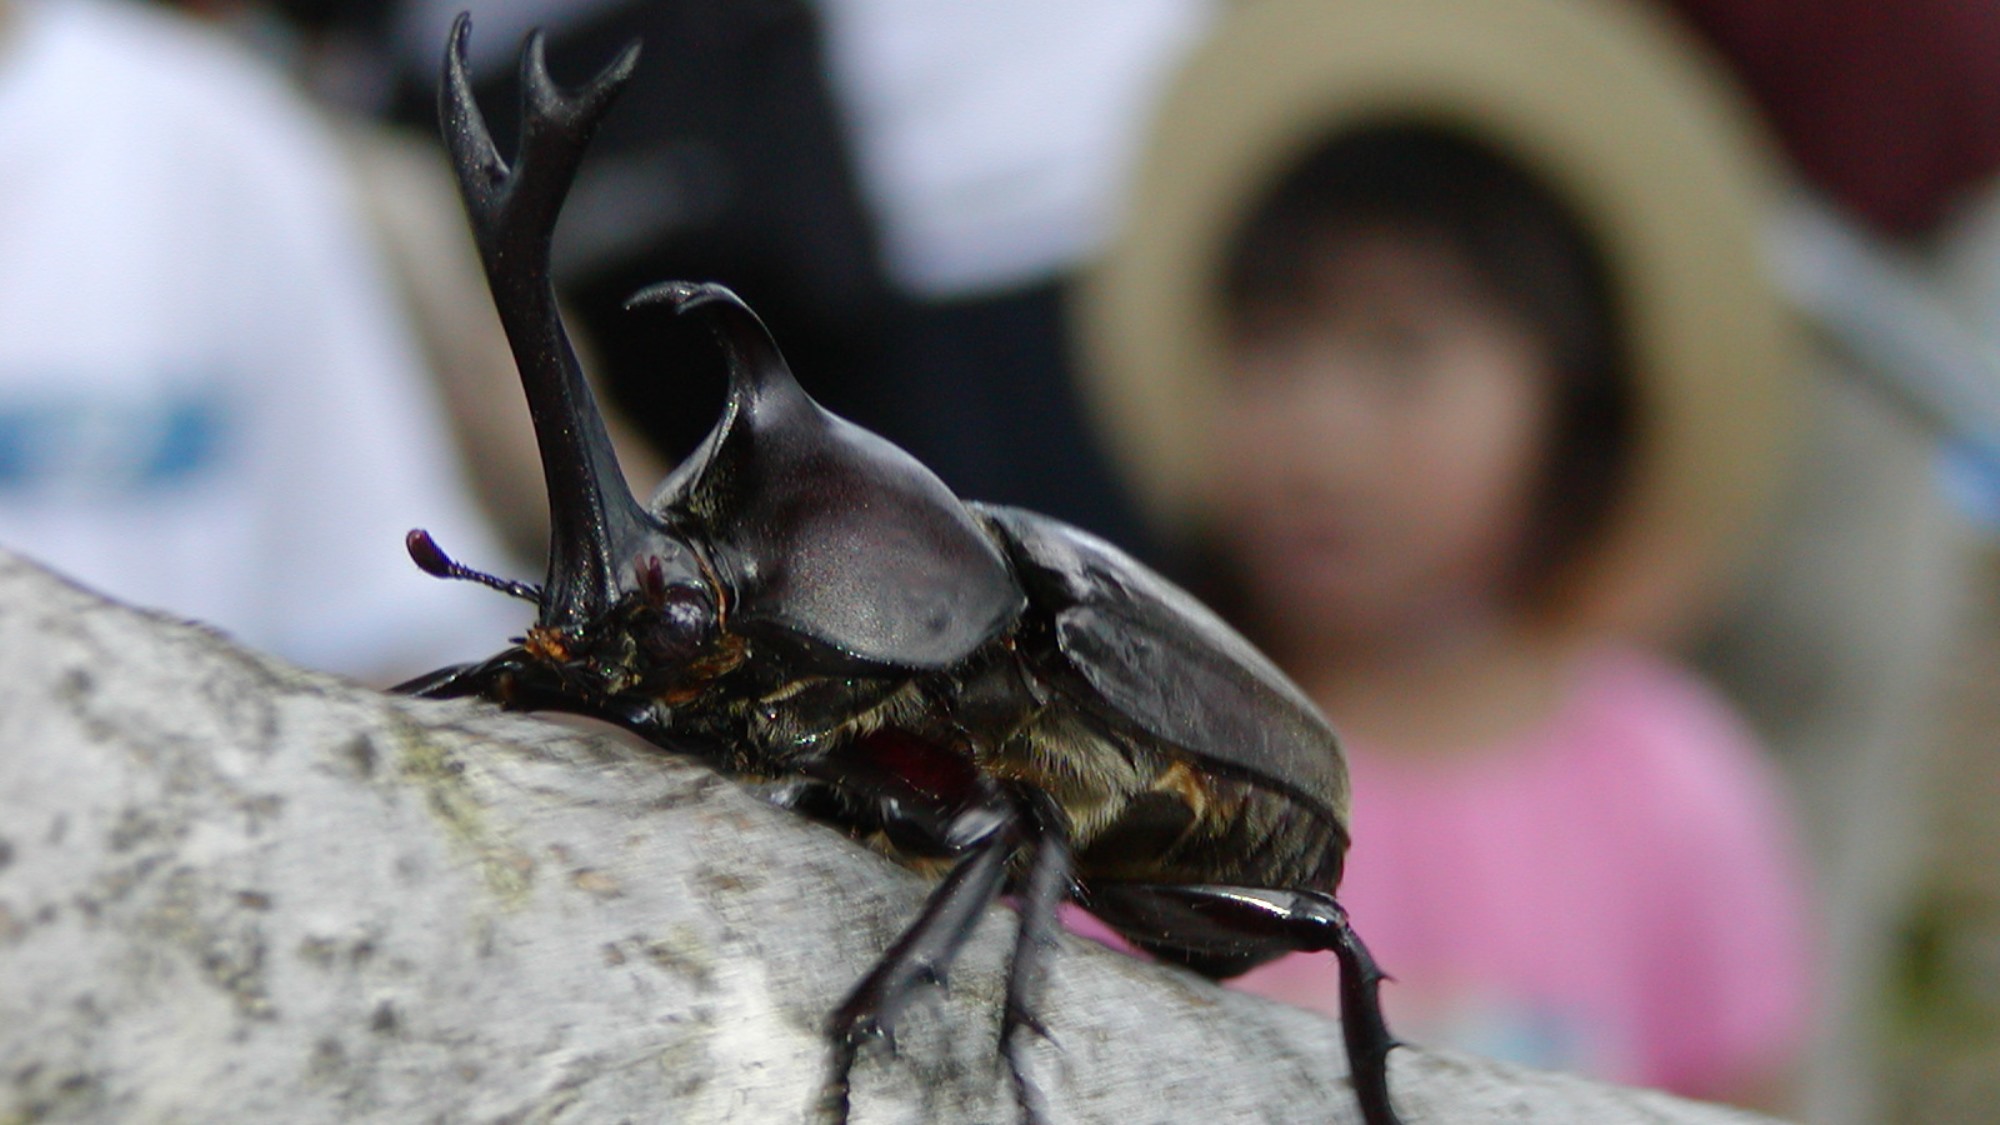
628,603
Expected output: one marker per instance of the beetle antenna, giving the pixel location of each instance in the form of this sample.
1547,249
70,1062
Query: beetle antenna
431,559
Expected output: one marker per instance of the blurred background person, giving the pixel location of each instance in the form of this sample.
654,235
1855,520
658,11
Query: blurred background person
208,400
1442,329
1869,644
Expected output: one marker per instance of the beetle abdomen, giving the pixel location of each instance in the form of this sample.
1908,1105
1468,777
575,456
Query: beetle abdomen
1141,812
1136,809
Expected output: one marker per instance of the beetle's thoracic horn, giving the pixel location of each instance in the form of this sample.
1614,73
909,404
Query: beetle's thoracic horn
513,212
756,367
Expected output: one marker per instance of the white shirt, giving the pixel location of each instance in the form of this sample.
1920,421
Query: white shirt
208,401
993,140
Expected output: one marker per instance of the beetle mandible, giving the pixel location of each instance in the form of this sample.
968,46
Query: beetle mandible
952,680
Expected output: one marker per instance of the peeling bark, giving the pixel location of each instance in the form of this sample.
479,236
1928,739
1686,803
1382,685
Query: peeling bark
234,891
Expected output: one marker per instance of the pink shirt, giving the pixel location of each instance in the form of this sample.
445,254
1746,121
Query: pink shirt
1618,894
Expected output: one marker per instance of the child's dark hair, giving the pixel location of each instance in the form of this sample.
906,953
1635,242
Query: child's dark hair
1526,249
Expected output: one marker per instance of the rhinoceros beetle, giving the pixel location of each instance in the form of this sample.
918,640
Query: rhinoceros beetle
806,606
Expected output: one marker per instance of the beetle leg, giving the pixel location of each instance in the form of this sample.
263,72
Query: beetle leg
985,835
1047,885
449,682
1254,924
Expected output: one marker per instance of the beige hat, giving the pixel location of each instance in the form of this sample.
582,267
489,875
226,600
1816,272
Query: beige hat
1604,103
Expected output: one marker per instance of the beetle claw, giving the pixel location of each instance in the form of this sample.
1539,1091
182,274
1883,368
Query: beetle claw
834,1103
1027,1021
853,1028
1026,1096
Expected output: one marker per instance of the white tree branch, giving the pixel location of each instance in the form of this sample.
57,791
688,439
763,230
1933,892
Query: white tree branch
231,891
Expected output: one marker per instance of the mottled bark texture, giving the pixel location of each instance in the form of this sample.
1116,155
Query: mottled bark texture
231,891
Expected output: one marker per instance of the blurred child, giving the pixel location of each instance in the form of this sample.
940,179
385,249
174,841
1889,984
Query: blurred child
1451,466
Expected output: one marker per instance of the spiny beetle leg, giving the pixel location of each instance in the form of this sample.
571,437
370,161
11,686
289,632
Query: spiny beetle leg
1234,921
922,955
1047,885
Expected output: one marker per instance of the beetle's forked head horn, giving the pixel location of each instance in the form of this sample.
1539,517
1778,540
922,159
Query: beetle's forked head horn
595,522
